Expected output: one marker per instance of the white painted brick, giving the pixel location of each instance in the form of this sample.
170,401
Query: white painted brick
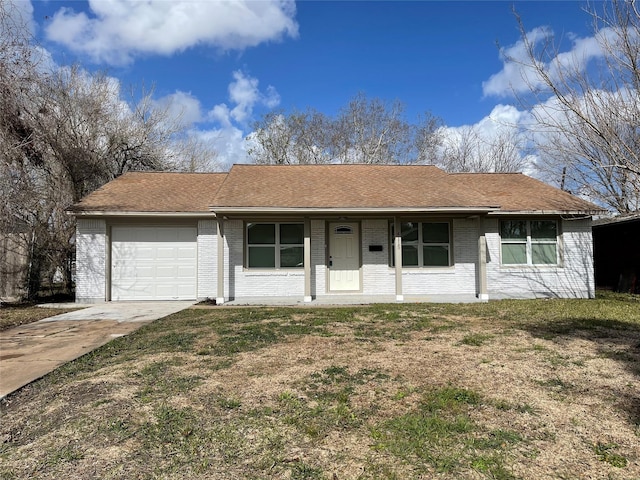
318,258
458,279
574,278
207,256
241,282
378,278
91,250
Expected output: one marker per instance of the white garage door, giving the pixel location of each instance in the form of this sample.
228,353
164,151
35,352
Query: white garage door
153,263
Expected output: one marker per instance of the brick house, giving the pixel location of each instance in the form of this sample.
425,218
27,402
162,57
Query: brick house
306,233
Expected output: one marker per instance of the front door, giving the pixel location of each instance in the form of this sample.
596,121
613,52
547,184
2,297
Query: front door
344,257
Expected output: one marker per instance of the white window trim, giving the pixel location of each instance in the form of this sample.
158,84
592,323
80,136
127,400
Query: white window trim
276,245
420,244
529,242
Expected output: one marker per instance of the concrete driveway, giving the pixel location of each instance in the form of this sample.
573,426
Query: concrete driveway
30,351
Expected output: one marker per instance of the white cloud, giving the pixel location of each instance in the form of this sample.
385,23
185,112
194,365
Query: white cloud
515,76
227,142
181,107
243,91
496,141
245,94
272,97
222,128
502,118
518,77
116,31
221,114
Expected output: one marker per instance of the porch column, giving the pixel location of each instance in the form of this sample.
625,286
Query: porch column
483,295
307,259
220,262
397,245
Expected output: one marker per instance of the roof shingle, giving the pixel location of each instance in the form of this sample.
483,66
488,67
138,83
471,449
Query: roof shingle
516,192
344,186
154,192
328,187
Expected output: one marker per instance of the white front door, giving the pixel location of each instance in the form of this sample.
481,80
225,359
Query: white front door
344,257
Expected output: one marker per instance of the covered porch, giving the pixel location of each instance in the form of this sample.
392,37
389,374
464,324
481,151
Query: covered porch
337,300
380,274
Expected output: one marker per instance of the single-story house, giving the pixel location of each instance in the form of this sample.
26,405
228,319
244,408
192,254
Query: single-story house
616,242
321,232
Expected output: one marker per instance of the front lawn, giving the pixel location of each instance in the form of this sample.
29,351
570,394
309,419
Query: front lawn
504,390
16,315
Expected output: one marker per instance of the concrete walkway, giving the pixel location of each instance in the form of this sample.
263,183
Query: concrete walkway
350,299
30,351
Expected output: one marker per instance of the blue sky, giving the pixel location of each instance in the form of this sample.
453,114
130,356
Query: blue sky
223,65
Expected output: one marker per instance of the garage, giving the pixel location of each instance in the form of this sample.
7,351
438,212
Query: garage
153,263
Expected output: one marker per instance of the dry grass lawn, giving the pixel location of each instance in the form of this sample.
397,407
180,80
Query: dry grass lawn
506,390
16,315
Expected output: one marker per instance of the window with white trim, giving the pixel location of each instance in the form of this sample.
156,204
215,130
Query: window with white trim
529,242
275,245
424,244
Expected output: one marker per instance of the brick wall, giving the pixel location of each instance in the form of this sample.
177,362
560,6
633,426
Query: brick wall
377,277
573,278
207,256
318,258
91,250
458,279
241,282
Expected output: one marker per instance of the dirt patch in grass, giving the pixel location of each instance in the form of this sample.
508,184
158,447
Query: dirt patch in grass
532,390
16,315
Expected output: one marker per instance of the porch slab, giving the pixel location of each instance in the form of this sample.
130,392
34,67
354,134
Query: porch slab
351,300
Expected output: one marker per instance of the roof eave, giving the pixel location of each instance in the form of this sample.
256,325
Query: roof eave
115,213
349,210
616,220
547,212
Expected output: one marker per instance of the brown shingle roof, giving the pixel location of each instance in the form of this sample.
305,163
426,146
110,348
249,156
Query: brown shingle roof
387,186
515,192
154,192
330,187
344,186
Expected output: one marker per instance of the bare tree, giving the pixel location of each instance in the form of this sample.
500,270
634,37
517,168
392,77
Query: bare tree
294,138
505,151
191,153
460,150
489,146
365,131
427,139
64,133
371,131
18,70
587,113
312,136
272,140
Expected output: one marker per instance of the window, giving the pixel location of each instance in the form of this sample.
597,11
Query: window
343,230
529,242
424,244
275,245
